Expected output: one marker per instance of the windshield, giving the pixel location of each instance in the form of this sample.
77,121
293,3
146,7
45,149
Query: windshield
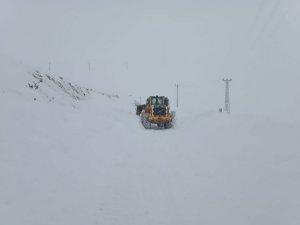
156,101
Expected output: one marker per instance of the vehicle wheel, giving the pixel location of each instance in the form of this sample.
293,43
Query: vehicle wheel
146,123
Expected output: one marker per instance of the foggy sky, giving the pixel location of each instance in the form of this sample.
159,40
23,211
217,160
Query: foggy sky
194,43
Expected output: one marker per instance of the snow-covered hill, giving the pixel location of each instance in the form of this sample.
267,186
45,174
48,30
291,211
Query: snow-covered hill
54,86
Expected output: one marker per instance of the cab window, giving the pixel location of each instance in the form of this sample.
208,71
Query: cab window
156,101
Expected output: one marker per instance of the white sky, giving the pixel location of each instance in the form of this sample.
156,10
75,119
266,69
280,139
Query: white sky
160,43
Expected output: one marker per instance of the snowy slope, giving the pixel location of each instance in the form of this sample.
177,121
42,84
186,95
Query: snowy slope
96,164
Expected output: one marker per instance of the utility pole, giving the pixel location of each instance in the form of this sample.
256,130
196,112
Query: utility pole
89,67
177,93
227,103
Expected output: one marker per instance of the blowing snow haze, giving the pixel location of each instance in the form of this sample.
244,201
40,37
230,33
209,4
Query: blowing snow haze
72,150
151,44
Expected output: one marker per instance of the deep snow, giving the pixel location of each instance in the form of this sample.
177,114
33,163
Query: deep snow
78,154
90,161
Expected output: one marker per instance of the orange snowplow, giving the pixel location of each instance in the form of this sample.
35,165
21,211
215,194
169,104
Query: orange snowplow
156,113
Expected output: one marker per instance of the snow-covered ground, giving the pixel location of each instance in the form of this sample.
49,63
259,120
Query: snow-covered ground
90,161
72,150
